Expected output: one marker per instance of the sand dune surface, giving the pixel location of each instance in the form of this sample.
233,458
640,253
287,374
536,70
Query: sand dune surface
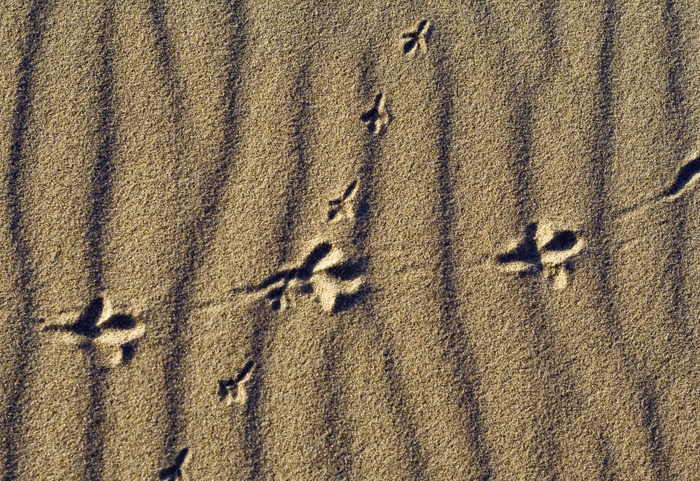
370,240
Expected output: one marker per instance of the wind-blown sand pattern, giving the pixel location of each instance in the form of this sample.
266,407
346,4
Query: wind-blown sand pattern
367,240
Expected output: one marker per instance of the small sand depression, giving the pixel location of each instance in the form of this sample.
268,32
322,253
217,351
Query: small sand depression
416,41
377,118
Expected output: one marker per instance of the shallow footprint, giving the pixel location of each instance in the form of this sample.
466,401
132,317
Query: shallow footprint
175,471
344,206
377,118
236,390
416,41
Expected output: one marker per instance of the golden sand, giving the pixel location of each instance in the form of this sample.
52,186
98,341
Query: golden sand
393,240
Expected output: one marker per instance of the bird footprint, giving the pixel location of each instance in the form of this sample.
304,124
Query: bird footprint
325,272
416,41
543,249
344,206
175,471
111,335
377,118
235,390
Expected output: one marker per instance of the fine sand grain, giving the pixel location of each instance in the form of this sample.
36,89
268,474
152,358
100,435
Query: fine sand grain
370,240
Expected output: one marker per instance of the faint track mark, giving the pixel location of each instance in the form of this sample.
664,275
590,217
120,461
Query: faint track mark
207,219
459,345
235,390
377,118
179,468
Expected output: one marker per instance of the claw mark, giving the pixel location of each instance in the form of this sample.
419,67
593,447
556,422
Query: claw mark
377,118
686,178
688,174
343,207
174,472
543,249
417,40
113,335
235,390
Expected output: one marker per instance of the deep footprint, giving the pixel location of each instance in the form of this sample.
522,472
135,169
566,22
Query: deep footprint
112,335
543,250
686,175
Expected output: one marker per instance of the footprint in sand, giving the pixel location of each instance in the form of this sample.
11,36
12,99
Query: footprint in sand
416,41
343,207
175,471
236,390
545,250
685,182
377,118
327,272
112,335
687,176
335,276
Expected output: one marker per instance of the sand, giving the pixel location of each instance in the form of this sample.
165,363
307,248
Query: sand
393,240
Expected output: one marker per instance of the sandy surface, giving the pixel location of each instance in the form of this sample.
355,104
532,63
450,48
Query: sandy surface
393,240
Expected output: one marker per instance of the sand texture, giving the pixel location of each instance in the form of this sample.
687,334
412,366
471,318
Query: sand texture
368,240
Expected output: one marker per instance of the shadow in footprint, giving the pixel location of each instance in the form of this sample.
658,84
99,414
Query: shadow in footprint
543,250
377,117
306,270
417,39
685,175
284,275
119,321
111,335
526,251
349,270
341,281
345,302
174,472
86,325
234,390
128,352
562,241
337,205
